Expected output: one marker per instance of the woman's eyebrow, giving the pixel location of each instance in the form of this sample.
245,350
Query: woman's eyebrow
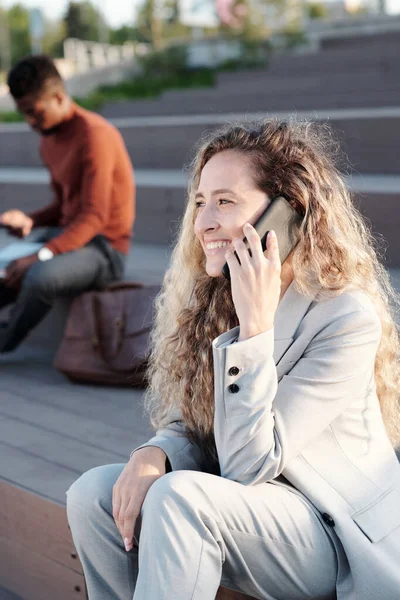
216,193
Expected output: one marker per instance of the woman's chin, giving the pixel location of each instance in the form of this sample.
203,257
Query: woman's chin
214,269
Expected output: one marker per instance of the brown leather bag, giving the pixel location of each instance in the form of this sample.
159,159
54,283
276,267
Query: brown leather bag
106,338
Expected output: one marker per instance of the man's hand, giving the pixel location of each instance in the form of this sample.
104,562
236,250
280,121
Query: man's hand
16,270
144,468
17,222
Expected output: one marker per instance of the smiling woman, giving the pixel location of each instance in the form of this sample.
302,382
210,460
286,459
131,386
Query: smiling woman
272,471
221,212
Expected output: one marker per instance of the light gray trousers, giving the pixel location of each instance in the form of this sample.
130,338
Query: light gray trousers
199,531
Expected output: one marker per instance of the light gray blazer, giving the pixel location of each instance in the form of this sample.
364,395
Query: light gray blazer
307,394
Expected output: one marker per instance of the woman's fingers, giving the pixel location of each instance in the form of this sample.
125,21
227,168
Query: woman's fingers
242,253
272,253
254,241
125,521
233,263
129,522
253,254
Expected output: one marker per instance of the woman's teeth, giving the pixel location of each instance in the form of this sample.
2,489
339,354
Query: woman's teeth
214,245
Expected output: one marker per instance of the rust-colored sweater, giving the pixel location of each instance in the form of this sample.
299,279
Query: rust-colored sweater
93,183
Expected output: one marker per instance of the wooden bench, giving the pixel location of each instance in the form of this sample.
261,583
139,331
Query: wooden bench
38,560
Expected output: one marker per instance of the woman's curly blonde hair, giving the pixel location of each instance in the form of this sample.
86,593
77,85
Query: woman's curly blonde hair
295,159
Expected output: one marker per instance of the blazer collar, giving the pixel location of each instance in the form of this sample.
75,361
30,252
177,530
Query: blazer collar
288,317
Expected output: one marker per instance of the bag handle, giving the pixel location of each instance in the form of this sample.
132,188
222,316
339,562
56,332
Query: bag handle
124,285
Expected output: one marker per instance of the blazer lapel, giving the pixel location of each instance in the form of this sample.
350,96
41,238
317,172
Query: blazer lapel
288,317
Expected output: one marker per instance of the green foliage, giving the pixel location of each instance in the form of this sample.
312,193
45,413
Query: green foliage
83,21
123,34
53,39
316,10
163,62
293,37
20,39
149,24
142,87
11,117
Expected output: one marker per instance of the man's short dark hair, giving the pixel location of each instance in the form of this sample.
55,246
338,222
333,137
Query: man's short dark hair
33,75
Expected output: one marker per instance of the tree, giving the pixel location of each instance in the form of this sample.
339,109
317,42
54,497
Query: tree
84,22
18,26
171,11
317,10
5,48
149,22
122,34
54,37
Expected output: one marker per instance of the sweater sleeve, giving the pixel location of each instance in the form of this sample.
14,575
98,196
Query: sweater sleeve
49,215
97,168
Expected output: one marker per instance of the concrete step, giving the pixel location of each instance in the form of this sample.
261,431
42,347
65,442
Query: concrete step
369,137
253,101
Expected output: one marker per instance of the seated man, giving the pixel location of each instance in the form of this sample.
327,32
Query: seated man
88,224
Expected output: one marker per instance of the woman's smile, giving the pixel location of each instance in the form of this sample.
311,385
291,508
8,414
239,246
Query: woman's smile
213,247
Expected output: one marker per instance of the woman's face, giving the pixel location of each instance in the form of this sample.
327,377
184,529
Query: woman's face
226,199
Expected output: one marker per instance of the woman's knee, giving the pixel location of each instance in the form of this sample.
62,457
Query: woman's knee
178,487
92,493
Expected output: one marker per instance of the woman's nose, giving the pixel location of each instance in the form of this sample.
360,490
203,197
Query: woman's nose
206,220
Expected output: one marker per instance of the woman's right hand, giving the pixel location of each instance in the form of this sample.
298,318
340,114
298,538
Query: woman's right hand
144,468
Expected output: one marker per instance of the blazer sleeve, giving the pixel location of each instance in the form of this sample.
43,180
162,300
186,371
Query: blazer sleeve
181,453
260,425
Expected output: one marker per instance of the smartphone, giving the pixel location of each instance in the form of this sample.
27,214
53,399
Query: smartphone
284,220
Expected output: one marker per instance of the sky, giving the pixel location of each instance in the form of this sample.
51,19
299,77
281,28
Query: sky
117,12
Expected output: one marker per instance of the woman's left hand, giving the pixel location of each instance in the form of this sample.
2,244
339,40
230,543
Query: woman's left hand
255,282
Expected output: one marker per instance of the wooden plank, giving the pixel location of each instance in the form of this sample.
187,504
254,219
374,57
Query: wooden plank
116,406
36,474
94,430
61,450
35,577
38,525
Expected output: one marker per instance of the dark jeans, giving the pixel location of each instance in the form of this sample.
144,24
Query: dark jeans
66,275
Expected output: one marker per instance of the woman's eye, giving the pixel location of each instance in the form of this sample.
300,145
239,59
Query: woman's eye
221,201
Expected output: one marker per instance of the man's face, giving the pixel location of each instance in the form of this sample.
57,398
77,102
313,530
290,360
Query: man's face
43,112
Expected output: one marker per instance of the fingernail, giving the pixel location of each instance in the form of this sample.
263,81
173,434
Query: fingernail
272,233
127,544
